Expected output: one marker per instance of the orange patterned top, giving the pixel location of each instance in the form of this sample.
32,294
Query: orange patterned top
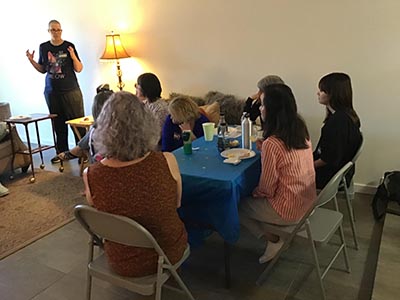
287,179
145,192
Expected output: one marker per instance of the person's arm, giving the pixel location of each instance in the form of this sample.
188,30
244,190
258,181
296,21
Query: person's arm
198,130
269,171
330,145
40,68
176,174
167,135
190,127
87,188
75,60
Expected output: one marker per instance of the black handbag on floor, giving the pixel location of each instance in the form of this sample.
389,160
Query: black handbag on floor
388,190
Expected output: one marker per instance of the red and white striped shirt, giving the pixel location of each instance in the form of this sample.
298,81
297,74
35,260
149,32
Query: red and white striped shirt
287,178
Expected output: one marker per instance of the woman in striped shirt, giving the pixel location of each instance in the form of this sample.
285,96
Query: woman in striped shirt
286,188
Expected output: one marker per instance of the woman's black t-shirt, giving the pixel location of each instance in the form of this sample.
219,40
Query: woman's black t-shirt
60,76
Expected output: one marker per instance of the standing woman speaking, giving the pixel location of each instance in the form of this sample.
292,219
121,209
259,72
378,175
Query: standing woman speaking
59,60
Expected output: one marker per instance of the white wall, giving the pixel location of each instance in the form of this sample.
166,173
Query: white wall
227,45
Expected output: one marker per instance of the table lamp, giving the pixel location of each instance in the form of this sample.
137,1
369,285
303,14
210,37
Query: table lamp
115,50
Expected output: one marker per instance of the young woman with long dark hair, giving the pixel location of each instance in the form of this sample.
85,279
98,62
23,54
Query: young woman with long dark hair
286,189
340,135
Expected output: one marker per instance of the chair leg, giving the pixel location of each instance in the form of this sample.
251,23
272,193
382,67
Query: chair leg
158,282
345,254
351,197
88,276
183,286
316,262
351,216
227,257
88,286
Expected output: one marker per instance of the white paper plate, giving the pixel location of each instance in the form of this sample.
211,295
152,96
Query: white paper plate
233,133
19,117
239,153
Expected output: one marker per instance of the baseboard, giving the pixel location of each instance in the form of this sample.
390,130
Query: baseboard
365,189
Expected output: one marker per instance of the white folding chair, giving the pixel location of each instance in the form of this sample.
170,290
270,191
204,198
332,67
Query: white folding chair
349,195
123,230
318,226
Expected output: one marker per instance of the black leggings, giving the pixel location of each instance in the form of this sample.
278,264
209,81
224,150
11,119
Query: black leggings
67,106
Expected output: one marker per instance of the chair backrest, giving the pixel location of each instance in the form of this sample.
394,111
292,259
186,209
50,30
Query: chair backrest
115,228
331,188
359,150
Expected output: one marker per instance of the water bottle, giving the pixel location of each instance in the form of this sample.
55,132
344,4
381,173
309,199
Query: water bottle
243,116
222,130
222,126
246,132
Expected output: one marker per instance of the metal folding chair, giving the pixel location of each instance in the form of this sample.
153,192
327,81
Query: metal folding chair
123,230
318,226
349,195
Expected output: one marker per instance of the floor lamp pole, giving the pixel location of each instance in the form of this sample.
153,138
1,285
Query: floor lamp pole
120,84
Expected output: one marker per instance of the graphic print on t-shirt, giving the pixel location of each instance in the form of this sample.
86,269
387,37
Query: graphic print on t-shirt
55,64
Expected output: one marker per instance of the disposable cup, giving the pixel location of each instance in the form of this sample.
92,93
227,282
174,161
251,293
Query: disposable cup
208,129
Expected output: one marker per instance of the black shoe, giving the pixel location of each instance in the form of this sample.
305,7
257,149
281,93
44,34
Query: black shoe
55,160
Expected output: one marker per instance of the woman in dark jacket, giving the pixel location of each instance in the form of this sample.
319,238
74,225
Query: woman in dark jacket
340,135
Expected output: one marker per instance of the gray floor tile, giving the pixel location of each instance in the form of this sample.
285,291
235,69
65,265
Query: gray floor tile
387,283
23,279
54,267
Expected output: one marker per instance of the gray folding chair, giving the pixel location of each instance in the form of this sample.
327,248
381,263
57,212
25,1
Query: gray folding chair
123,230
349,195
318,226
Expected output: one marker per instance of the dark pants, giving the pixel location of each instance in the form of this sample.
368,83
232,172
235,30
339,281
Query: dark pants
67,106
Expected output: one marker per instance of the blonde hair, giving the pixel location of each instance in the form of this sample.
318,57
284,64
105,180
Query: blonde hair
183,109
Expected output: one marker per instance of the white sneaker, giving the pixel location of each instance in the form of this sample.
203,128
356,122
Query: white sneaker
3,190
271,250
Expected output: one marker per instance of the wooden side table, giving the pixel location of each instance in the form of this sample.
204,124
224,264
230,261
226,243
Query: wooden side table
33,118
83,122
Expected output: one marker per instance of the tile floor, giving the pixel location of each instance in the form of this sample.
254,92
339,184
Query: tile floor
53,268
387,283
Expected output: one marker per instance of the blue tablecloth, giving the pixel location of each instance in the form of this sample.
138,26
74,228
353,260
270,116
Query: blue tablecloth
212,189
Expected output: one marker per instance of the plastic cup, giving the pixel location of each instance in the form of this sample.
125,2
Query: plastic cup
208,129
187,142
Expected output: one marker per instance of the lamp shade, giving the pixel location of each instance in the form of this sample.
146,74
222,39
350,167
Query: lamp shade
114,48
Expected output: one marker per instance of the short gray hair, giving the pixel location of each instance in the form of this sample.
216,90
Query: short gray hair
126,130
268,80
54,21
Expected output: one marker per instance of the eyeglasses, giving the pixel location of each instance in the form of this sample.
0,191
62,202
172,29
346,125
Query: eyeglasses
55,30
138,87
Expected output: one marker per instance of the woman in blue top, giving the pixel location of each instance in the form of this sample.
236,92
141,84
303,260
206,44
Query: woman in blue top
183,115
340,134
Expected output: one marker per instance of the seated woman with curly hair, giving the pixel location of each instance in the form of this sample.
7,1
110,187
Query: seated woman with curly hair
135,181
184,115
